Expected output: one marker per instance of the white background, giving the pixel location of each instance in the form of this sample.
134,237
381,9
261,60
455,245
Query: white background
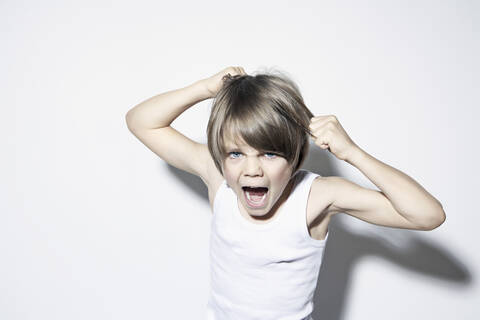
93,225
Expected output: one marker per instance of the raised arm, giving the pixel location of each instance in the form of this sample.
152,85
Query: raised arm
150,122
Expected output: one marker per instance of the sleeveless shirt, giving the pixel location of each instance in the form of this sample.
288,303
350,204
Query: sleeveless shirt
263,271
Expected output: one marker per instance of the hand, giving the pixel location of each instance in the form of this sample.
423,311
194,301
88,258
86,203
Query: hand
329,134
215,82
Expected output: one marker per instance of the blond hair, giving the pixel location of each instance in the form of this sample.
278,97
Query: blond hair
266,111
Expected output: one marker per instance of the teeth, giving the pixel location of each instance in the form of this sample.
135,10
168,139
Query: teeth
261,200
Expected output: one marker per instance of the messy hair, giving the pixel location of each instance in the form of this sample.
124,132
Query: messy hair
265,111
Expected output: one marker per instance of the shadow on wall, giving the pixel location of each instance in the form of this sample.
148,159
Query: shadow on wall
344,248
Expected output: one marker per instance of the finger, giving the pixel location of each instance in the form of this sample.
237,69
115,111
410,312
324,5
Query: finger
320,122
226,77
318,118
317,133
322,136
316,125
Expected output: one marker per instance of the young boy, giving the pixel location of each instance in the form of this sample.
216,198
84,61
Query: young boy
270,218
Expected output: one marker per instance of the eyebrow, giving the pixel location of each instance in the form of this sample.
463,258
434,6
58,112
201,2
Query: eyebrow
232,146
235,149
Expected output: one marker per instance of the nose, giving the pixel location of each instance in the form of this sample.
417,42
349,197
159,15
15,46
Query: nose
252,167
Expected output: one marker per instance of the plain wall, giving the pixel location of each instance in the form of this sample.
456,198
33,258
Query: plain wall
93,225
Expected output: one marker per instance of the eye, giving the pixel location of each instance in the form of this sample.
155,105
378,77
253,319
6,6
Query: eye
234,154
270,155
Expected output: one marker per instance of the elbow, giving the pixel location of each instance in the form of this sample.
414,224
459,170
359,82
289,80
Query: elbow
435,221
129,121
128,117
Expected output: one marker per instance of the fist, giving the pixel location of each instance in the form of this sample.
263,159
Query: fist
328,133
214,83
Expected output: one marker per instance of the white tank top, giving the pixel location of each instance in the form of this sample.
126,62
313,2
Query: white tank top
263,271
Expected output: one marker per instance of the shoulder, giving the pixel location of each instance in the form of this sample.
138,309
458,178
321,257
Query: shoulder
323,192
319,205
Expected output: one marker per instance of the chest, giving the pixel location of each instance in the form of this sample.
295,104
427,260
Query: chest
317,215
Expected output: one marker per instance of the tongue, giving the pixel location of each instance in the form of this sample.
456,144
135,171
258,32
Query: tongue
256,196
256,193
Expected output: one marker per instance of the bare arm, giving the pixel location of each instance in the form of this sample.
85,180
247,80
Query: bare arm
159,111
401,203
406,197
150,122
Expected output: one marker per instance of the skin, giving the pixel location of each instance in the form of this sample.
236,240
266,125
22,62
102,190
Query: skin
400,202
246,166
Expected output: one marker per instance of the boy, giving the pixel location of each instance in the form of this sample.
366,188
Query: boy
270,221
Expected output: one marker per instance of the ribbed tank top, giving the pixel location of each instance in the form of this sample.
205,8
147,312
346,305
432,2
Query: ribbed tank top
263,271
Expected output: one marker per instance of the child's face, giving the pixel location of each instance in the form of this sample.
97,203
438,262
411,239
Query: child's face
244,167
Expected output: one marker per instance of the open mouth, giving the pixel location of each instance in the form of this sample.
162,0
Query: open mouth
255,197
